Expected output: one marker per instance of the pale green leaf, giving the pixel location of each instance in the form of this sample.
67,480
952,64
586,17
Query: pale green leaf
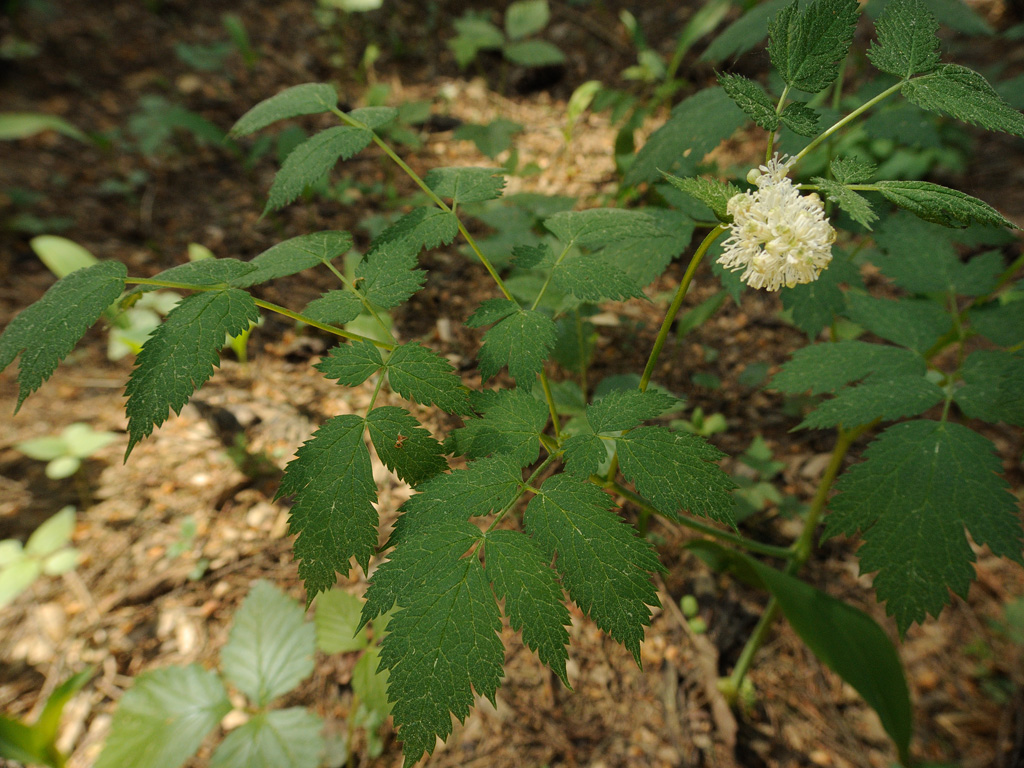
907,41
53,534
60,255
22,125
306,99
16,577
352,363
533,53
284,737
526,17
312,160
337,622
406,448
965,95
418,373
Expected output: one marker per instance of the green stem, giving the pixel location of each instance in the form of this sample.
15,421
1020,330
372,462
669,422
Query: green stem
852,116
546,386
771,134
547,281
376,391
365,302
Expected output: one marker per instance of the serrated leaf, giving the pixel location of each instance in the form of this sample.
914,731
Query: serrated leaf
406,448
964,94
295,255
511,423
856,206
333,513
164,717
626,408
418,373
751,98
676,471
491,311
420,228
942,205
290,737
312,160
883,396
713,193
45,332
817,304
744,33
643,259
583,454
270,646
522,341
592,278
306,99
922,484
907,41
852,170
598,227
908,322
526,17
530,256
1002,323
334,307
205,272
523,577
918,256
466,185
820,368
337,622
993,382
808,47
181,354
387,276
800,118
533,53
442,644
352,363
604,564
374,117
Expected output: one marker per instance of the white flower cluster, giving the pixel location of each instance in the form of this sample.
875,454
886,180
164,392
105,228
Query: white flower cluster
778,237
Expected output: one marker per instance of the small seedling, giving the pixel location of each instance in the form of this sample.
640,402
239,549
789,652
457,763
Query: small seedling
64,452
46,553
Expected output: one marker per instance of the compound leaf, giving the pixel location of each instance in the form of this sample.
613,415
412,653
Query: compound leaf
270,739
820,368
181,354
387,276
511,423
418,373
922,485
1002,323
808,47
522,576
333,513
312,160
885,396
907,41
466,185
604,564
270,647
294,255
965,95
306,99
625,408
406,448
522,340
351,364
44,333
942,205
752,99
335,308
645,257
713,193
855,205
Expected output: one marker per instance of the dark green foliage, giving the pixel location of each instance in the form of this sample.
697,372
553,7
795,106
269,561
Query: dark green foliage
807,47
352,363
406,448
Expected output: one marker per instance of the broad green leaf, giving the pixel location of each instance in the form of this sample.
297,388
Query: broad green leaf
855,205
284,737
181,354
626,408
955,14
164,717
846,639
942,205
53,534
426,227
511,423
644,258
820,368
598,227
533,53
295,255
993,382
45,332
466,185
526,17
334,307
584,454
752,99
883,395
60,255
270,647
808,47
352,363
604,564
83,441
907,41
964,94
442,644
333,513
1002,323
696,126
676,471
418,373
387,276
922,484
338,627
307,99
43,448
852,170
523,578
312,160
713,193
908,322
522,340
592,278
800,118
406,448
744,33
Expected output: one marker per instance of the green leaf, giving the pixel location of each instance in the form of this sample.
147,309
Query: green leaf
351,364
53,534
948,207
406,448
846,639
525,18
295,255
883,395
312,160
491,311
800,118
593,279
22,125
817,304
677,471
852,170
205,272
334,307
713,193
164,717
584,454
420,374
466,185
369,684
388,275
598,227
744,33
49,720
696,126
270,647
474,35
333,514
290,737
1002,323
44,333
307,99
533,53
644,258
908,322
964,94
374,117
922,485
604,564
907,41
181,354
511,424
820,368
491,139
808,47
442,644
523,578
421,228
624,409
60,255
337,622
752,99
522,340
855,205
22,743
993,381
918,256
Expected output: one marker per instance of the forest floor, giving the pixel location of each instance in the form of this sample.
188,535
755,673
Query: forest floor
173,539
